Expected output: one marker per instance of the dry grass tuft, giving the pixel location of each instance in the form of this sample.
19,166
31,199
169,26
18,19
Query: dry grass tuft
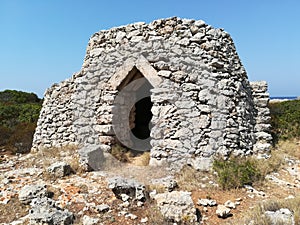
120,153
45,157
13,210
125,155
256,216
154,215
158,187
284,149
289,147
190,179
141,160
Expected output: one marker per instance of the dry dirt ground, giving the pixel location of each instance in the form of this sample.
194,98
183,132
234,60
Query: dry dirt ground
81,192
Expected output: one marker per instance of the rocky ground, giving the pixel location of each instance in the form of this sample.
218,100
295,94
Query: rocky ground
50,188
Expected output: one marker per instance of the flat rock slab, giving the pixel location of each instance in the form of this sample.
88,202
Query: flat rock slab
130,187
176,206
60,169
30,192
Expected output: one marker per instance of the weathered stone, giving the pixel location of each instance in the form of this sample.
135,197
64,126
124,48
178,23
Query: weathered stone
60,169
230,204
30,192
177,206
164,73
92,157
199,93
45,211
223,212
201,163
131,188
168,182
281,216
102,208
144,220
87,220
207,202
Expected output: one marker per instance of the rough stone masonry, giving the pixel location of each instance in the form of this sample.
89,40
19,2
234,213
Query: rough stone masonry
174,87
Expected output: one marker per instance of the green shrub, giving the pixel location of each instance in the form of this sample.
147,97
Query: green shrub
285,119
13,114
236,172
12,96
19,112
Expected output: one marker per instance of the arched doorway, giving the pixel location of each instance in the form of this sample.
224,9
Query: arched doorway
132,107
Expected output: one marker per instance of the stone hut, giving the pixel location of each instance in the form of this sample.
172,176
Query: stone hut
174,87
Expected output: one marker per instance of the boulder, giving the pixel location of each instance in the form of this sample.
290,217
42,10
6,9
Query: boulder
177,206
30,192
223,212
45,211
207,202
92,156
102,208
167,182
130,187
59,169
281,216
86,220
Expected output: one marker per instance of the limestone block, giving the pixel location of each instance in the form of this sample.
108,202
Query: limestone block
262,147
259,86
130,187
185,104
104,129
261,102
92,156
30,192
201,163
222,211
263,136
120,36
183,133
200,23
204,108
164,73
45,211
60,169
281,216
177,206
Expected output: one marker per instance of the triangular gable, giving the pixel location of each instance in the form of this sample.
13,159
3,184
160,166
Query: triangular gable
127,70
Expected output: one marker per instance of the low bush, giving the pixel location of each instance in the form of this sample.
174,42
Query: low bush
13,114
236,172
17,97
256,215
190,179
19,112
285,119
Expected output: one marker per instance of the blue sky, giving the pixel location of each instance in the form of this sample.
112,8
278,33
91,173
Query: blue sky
44,41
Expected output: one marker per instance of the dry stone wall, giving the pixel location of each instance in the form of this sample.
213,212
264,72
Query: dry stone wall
55,126
203,103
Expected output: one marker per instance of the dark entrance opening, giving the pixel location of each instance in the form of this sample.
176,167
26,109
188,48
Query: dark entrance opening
141,116
142,120
138,88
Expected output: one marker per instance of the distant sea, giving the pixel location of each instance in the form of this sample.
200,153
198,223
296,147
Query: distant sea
284,98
